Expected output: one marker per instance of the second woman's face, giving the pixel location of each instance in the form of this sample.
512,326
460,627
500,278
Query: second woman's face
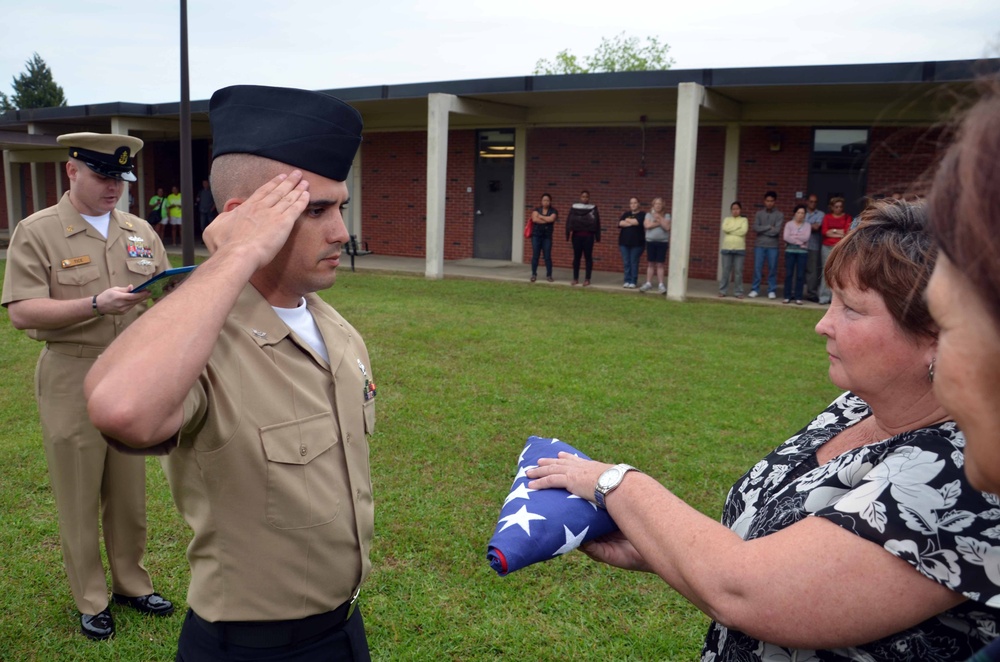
800,215
736,210
869,354
546,201
838,208
967,369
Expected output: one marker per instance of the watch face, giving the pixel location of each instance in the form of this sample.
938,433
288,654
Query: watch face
609,478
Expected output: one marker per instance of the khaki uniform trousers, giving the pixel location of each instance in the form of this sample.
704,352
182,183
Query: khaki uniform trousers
89,477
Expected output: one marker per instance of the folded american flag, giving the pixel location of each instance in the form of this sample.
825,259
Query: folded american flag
538,525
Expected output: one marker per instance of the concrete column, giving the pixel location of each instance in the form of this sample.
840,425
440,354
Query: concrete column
120,126
12,189
438,108
353,219
37,179
140,190
520,183
730,180
689,98
60,168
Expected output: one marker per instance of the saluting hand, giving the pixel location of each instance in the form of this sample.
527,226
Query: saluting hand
262,222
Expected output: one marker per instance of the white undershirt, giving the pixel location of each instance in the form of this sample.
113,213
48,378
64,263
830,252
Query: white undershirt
301,321
100,223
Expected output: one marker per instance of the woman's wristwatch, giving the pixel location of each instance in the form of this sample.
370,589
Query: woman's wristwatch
608,481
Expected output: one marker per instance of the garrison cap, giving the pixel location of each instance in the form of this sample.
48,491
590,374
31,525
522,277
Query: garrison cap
309,130
107,154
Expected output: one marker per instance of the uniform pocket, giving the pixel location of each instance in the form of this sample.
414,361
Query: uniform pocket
369,410
303,472
141,265
78,276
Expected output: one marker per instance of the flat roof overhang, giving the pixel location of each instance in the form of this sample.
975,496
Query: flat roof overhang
890,93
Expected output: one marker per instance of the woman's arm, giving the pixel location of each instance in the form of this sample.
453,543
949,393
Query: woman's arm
811,585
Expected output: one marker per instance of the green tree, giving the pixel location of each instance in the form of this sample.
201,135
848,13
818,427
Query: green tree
35,88
620,53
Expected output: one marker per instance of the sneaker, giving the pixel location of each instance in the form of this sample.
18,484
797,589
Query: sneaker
662,289
753,294
533,278
586,283
787,301
575,282
646,287
626,286
798,302
770,295
549,278
97,626
630,286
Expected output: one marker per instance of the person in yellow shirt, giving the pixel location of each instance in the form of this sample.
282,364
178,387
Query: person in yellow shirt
734,249
175,215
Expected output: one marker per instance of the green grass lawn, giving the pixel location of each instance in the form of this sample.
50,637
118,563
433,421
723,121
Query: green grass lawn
693,394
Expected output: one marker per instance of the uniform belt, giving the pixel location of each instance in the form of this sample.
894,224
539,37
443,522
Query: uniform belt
73,349
272,634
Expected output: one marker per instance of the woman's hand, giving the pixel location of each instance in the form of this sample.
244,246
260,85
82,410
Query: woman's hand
569,472
615,549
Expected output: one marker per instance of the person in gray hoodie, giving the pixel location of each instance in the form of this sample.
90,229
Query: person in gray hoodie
767,224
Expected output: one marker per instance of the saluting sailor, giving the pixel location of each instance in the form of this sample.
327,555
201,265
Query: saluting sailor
70,271
265,404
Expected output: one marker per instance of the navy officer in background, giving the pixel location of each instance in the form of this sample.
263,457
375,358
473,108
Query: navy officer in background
69,278
264,401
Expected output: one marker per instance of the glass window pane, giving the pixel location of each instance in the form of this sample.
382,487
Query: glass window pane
841,141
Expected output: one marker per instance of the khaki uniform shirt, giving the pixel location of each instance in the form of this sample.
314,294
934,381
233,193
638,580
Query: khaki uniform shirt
271,468
55,254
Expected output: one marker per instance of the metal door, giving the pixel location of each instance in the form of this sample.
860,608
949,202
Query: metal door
494,198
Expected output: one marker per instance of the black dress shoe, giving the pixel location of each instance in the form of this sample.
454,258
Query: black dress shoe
154,603
98,626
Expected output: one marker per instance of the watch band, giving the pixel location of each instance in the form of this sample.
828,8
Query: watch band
609,481
93,304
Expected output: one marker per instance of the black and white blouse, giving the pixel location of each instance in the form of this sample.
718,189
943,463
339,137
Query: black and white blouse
908,494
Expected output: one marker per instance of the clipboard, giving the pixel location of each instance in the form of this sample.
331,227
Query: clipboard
164,281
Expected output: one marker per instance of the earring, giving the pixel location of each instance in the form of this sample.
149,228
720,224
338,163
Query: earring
930,371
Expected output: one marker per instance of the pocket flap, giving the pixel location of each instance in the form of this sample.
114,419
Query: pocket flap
78,275
141,265
301,441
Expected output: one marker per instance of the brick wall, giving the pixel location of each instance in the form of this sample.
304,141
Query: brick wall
394,193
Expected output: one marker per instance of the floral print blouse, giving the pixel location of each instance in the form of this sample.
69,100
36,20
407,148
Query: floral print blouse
908,494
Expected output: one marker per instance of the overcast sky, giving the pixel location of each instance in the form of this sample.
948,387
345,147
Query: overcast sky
104,50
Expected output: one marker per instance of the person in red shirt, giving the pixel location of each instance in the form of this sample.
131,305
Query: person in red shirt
834,228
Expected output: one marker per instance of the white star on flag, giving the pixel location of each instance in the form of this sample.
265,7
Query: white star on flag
522,472
522,518
520,492
572,541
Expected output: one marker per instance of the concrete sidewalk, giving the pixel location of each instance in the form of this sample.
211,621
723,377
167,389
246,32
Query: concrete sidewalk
502,270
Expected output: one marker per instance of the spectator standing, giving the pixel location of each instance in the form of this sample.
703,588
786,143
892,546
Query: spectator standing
157,207
657,225
175,214
206,206
796,236
70,273
734,244
814,217
767,224
583,225
543,220
631,241
835,226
